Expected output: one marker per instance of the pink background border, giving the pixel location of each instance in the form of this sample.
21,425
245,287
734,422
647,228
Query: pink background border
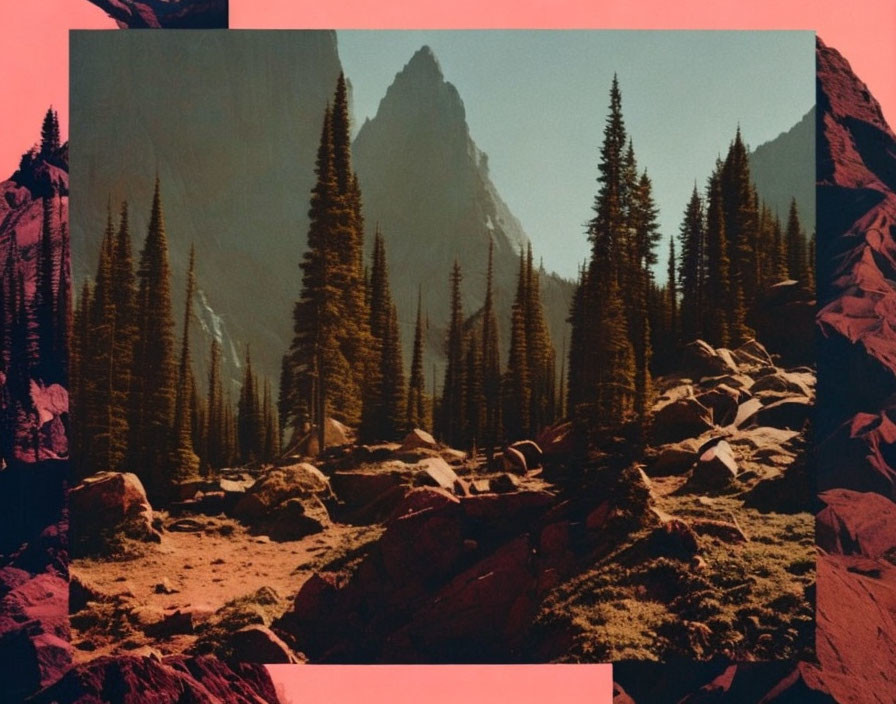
34,46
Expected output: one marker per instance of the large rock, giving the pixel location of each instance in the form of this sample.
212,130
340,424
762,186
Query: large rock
676,458
416,439
176,680
437,471
531,451
295,518
782,382
360,487
856,523
259,644
752,354
716,467
514,461
301,480
685,418
558,441
107,505
723,401
791,413
699,360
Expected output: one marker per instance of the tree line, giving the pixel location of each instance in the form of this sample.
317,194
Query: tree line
136,401
625,326
345,359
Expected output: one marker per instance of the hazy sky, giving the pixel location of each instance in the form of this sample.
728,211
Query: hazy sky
536,103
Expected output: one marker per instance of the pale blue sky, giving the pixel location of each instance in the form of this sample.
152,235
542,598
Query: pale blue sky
536,103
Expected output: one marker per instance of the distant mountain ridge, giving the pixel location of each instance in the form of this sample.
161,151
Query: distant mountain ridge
781,171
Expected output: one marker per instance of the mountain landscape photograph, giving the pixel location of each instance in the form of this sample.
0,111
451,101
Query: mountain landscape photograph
442,347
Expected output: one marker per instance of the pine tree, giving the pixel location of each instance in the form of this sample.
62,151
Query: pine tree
215,416
45,299
517,382
384,395
601,372
49,134
184,461
323,382
63,308
797,260
692,269
392,375
453,407
250,430
491,364
416,403
741,214
154,376
78,381
103,417
539,353
718,282
672,293
473,397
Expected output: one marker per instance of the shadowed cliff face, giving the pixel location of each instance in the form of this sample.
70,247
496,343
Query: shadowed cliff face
169,14
855,429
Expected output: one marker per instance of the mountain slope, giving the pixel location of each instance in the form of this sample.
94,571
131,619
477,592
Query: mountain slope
426,183
235,153
781,171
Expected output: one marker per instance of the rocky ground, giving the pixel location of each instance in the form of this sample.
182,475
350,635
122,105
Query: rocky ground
415,552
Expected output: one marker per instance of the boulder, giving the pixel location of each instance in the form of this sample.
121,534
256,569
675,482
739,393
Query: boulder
170,681
716,468
781,382
106,505
856,523
791,413
424,498
685,418
514,461
746,413
296,518
676,458
723,401
416,439
504,483
531,451
752,353
301,480
699,360
259,644
435,470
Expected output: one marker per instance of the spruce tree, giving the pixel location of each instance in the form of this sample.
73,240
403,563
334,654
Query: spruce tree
49,134
184,461
517,381
323,382
250,430
63,307
103,417
491,364
453,408
154,376
692,269
797,259
215,419
45,299
78,382
539,353
392,376
718,281
473,397
416,403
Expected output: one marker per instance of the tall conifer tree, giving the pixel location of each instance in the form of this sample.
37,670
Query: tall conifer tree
416,403
453,407
154,377
184,461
